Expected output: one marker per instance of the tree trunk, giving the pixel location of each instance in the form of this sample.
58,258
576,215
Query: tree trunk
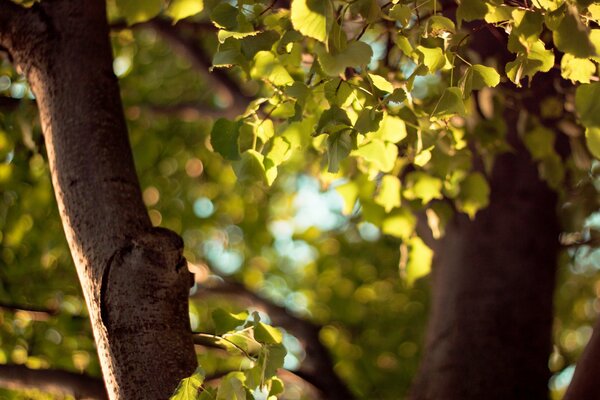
585,380
489,335
133,275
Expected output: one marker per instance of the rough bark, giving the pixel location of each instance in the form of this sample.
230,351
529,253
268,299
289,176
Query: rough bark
489,335
132,274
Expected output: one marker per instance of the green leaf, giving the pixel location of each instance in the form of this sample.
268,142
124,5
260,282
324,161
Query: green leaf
267,334
138,11
401,13
539,142
474,194
449,104
250,168
368,120
274,356
577,69
331,119
401,224
391,129
389,193
572,37
180,9
433,59
339,145
276,387
422,186
587,104
312,18
470,10
528,64
267,66
592,139
228,54
381,83
526,30
349,193
357,54
225,321
225,16
280,150
232,387
419,260
439,26
381,154
188,388
477,77
224,138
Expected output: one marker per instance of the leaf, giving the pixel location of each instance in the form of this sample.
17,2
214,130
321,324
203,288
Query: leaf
422,186
312,18
577,69
225,321
592,139
539,142
450,104
349,193
572,37
225,16
250,167
180,9
267,66
389,193
339,145
440,26
587,104
357,54
470,10
433,59
382,155
528,64
232,387
332,118
224,138
188,388
138,11
401,224
478,77
526,30
368,120
419,260
228,54
267,334
401,13
391,129
276,387
474,194
381,83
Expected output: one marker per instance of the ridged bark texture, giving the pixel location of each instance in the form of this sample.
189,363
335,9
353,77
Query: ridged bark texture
489,335
133,275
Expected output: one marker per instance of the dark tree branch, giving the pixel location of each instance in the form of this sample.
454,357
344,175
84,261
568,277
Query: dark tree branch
59,382
188,111
317,368
10,14
35,313
221,83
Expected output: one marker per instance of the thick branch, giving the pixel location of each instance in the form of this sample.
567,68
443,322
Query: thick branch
59,382
317,368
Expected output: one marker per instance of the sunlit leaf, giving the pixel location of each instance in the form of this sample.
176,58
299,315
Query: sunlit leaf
189,388
180,9
474,194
